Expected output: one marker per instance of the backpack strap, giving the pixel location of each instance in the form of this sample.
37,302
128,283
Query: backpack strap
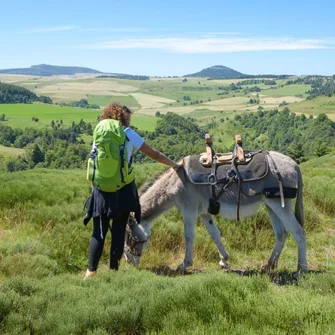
122,147
94,157
127,139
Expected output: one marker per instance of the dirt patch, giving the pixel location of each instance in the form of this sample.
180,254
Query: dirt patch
165,270
277,100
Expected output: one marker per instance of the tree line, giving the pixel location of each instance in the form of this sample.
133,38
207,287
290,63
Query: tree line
49,147
11,94
298,136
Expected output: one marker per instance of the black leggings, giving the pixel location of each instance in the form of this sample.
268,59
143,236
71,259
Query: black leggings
100,229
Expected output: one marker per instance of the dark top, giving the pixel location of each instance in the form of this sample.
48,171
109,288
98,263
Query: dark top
112,203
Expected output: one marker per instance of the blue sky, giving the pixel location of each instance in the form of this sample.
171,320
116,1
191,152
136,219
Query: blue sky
162,38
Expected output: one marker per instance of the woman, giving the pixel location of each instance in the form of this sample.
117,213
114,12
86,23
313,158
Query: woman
104,206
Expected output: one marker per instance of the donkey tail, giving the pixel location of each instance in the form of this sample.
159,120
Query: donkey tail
299,204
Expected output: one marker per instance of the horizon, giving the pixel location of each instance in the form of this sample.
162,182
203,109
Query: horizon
160,40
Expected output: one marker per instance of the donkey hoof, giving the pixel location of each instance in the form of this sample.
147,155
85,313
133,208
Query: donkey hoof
267,268
224,265
300,273
183,266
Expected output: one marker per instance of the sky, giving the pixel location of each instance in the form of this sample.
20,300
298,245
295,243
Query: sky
170,38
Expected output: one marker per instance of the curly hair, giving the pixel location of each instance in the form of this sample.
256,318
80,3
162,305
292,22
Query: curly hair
117,112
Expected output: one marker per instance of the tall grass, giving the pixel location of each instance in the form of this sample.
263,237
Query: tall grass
138,302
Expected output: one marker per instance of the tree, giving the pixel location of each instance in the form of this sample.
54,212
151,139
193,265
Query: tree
34,154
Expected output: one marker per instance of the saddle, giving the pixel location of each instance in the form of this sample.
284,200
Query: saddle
212,168
223,158
207,157
254,167
225,169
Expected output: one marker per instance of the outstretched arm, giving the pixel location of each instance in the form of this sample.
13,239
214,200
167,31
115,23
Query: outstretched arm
158,156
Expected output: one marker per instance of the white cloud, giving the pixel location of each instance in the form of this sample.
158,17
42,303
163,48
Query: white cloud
51,29
116,30
212,45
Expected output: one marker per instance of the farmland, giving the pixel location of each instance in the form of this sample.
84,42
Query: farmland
192,97
20,115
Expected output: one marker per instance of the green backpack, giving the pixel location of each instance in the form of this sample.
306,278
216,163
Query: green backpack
108,166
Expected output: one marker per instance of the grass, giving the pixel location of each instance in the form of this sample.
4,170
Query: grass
147,97
177,90
315,106
9,151
103,100
290,90
43,255
142,303
20,115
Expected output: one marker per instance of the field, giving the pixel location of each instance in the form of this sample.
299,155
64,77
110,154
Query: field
291,90
43,257
172,95
316,106
7,151
20,115
103,100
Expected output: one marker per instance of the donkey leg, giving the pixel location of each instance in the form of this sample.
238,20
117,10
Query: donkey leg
215,234
280,236
292,225
189,228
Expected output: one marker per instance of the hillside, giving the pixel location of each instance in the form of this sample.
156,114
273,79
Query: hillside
49,70
43,256
218,71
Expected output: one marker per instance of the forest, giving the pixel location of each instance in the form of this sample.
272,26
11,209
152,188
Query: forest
300,137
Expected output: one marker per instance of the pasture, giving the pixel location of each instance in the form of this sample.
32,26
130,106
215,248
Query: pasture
290,90
104,100
316,106
165,94
20,115
43,256
8,151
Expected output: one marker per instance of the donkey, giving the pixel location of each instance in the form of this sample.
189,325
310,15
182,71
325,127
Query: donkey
176,189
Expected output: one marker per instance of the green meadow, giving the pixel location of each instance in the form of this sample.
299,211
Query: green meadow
9,151
315,106
20,115
197,89
43,257
103,100
147,97
290,90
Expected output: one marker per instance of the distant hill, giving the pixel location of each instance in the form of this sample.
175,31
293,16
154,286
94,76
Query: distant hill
218,71
49,70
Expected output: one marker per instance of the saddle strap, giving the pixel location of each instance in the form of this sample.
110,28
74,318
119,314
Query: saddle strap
278,176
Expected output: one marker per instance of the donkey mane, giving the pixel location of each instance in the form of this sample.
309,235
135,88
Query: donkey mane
144,188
